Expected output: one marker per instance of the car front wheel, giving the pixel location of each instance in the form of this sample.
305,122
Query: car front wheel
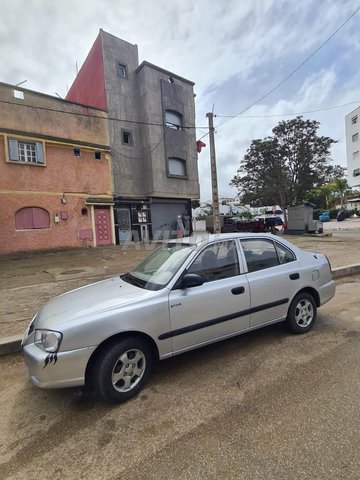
122,369
302,313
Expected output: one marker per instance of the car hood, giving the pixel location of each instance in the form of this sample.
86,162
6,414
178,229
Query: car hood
89,300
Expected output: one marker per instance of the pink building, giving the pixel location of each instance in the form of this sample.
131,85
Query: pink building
55,174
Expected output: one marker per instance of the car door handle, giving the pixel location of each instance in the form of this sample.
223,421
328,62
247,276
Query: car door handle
237,290
294,276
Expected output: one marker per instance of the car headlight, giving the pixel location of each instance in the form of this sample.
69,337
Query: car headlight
48,340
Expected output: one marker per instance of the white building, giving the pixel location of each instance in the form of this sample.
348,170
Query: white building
352,127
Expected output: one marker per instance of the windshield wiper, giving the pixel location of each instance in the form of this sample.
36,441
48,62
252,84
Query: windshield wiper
127,277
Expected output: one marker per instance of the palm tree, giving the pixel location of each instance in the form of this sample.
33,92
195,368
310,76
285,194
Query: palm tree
341,187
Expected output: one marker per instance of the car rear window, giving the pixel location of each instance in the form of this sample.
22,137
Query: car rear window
262,253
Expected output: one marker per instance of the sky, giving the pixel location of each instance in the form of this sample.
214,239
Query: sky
235,52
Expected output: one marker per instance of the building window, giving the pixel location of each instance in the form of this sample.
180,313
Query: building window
23,151
356,172
30,218
97,155
126,137
76,152
355,137
356,155
19,94
173,120
354,119
121,70
176,167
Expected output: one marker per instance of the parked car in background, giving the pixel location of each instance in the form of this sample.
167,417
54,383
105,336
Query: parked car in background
229,224
185,294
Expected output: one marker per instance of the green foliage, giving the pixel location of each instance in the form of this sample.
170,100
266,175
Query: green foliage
283,168
246,215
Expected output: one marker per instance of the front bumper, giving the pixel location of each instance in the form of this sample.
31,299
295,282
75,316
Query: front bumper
65,369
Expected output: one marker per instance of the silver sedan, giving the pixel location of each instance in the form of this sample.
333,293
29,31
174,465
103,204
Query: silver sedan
185,294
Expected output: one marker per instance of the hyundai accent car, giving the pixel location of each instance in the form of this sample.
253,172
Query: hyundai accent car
185,294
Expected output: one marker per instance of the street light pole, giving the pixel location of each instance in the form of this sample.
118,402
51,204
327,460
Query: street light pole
214,184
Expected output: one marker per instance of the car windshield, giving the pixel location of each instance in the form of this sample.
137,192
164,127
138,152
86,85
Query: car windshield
159,267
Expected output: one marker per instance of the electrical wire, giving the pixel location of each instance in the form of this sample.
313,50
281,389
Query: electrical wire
290,114
294,71
188,127
114,119
143,157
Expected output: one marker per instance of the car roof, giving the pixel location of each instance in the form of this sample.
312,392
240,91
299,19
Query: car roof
203,238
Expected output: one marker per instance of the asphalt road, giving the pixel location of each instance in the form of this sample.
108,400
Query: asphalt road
265,405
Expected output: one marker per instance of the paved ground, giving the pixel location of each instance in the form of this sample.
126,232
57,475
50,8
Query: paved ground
265,405
28,281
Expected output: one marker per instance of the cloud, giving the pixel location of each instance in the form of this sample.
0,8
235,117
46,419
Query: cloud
234,51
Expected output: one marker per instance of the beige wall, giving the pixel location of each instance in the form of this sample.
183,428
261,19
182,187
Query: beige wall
70,122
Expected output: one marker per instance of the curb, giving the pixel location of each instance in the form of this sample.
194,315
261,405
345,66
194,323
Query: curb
13,344
345,271
10,344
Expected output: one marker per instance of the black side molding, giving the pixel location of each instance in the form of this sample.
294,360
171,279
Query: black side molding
225,318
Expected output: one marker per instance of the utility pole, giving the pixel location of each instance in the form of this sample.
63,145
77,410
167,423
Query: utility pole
214,184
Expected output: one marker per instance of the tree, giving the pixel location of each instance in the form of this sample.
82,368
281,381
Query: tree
282,168
341,187
324,196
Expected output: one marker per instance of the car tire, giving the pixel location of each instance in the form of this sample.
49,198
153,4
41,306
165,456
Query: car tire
121,369
302,313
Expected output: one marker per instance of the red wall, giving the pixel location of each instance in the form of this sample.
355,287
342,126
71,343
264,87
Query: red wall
89,85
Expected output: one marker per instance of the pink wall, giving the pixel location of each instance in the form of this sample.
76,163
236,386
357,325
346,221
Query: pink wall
89,85
63,172
21,185
64,234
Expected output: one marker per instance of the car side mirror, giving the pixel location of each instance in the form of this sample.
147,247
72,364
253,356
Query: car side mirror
192,280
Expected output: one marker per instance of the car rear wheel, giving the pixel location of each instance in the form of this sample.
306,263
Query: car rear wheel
122,369
302,313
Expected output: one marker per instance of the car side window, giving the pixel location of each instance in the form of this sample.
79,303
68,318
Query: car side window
217,261
284,254
259,254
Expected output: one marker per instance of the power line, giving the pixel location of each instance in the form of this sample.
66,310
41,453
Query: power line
113,119
189,127
289,114
143,157
294,71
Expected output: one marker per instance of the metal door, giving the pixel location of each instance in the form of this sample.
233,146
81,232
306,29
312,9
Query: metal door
216,309
102,226
124,225
272,284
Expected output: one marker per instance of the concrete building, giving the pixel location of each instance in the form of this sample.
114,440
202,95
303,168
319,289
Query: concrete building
152,136
352,127
55,173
